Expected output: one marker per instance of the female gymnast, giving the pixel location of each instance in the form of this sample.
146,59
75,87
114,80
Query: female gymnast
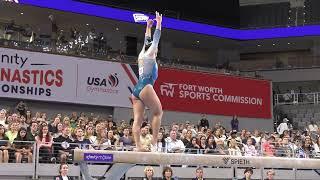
143,94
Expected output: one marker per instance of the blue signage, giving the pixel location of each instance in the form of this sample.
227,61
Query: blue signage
97,157
170,23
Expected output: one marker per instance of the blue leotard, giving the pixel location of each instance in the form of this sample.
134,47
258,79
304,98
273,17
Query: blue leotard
148,68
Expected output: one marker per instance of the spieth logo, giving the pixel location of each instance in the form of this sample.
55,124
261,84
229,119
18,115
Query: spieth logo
225,160
167,89
112,80
235,161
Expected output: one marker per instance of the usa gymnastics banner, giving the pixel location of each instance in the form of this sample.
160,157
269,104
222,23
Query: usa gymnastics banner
48,77
186,91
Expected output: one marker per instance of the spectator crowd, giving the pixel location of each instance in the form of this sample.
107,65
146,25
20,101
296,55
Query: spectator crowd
56,136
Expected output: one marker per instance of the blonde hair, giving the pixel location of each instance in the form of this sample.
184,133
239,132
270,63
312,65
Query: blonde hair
148,168
271,171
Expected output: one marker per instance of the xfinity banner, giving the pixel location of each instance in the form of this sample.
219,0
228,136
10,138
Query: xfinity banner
197,92
40,76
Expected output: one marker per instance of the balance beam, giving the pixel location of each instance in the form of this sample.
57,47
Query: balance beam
131,157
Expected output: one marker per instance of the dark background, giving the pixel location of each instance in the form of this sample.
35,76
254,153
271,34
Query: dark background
217,12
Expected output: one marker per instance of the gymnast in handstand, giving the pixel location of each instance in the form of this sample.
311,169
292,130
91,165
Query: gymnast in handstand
143,94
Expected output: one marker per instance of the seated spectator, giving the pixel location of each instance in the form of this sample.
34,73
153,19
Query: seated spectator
145,139
32,131
66,122
257,136
23,148
306,149
53,127
248,173
211,145
63,172
280,149
234,149
191,128
270,174
312,127
81,123
249,148
82,143
218,135
187,139
12,133
233,135
246,137
203,144
3,118
317,145
199,174
112,138
167,173
194,147
4,145
44,142
89,134
161,144
174,145
74,117
183,134
23,123
220,147
62,145
58,131
268,147
9,120
102,142
28,117
126,140
148,173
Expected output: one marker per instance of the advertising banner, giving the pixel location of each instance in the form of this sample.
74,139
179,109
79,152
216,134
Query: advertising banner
187,91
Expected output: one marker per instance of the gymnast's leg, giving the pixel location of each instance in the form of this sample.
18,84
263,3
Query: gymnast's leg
151,100
138,112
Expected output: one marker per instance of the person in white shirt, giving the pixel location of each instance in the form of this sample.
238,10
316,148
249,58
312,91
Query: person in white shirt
3,118
312,127
249,149
234,149
283,126
173,144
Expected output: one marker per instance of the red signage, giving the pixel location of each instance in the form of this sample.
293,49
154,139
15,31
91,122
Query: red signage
197,92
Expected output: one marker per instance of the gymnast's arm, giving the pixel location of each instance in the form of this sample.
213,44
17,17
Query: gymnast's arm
148,31
157,32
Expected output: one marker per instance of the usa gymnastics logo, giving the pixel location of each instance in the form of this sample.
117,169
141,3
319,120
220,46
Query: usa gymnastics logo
107,85
112,80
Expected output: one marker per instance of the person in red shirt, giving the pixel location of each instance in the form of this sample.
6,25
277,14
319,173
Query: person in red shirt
268,147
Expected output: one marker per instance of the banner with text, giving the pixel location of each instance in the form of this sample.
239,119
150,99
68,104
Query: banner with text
48,77
186,91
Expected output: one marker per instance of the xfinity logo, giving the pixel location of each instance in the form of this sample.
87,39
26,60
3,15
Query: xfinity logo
167,89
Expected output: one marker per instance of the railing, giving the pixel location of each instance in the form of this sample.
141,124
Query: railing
81,48
44,161
297,98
